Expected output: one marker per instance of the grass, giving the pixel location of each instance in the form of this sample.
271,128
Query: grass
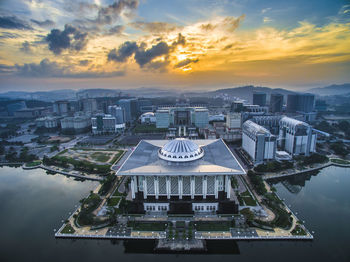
100,157
248,199
116,156
113,201
148,129
213,226
34,163
68,229
117,193
147,226
340,161
298,231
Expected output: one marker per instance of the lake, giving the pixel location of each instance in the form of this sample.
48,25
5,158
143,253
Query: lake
33,204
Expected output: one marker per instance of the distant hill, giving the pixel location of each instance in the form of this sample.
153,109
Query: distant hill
244,92
47,96
331,90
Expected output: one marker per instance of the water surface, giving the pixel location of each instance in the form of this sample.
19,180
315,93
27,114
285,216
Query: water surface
33,204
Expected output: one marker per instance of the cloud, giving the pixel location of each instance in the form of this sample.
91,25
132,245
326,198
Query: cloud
26,47
8,35
263,11
48,69
12,22
116,30
181,40
232,23
144,56
267,19
208,27
186,62
45,23
107,15
70,38
45,68
124,51
154,27
5,69
84,62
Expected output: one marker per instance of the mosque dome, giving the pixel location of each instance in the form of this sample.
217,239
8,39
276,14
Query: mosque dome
180,150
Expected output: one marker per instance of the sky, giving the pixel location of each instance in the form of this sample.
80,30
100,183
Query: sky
182,45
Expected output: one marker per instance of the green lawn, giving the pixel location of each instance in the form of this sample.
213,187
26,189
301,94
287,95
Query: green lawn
113,201
147,226
340,161
68,229
248,199
213,226
100,157
149,129
116,156
34,163
298,231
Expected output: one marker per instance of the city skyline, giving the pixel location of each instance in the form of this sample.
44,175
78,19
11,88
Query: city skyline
185,45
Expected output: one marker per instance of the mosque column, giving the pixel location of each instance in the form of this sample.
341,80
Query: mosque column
180,187
192,187
204,187
144,187
168,187
216,187
156,186
133,187
228,186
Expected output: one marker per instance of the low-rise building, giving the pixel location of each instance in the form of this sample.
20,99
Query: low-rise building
148,118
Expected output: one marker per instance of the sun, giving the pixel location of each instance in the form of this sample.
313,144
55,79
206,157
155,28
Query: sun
181,57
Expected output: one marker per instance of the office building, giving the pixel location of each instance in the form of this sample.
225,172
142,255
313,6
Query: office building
296,137
276,103
259,99
258,142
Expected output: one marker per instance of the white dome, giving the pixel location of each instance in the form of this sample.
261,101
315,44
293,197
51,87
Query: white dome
180,150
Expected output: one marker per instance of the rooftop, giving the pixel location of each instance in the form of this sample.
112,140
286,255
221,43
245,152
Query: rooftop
217,159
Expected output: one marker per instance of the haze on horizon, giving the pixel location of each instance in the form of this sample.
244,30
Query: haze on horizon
199,44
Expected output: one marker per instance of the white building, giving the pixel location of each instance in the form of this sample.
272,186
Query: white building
258,142
296,137
47,122
105,124
182,116
182,176
234,120
148,118
76,124
118,113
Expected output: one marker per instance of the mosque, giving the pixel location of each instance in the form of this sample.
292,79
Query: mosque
182,176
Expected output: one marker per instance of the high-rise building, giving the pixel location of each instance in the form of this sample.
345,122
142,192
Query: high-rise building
259,99
61,108
130,107
102,124
118,113
89,105
276,103
306,103
300,103
237,106
258,142
296,137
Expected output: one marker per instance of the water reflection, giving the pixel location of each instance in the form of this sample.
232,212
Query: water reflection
294,184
